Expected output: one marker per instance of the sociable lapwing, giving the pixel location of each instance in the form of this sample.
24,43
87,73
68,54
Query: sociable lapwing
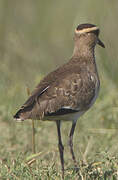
70,90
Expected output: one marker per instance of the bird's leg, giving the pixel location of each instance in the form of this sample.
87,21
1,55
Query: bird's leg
61,147
71,144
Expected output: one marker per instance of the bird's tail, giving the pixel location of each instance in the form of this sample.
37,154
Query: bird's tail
17,116
23,113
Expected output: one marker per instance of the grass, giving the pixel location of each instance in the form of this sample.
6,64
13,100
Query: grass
103,166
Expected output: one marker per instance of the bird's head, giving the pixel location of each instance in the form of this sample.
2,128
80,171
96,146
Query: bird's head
87,35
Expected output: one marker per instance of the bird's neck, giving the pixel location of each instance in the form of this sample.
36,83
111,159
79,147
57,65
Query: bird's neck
84,55
84,52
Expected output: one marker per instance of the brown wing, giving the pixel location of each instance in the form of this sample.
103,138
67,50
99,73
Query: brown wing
46,82
52,77
41,88
73,93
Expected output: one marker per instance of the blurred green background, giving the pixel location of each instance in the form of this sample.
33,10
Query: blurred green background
37,37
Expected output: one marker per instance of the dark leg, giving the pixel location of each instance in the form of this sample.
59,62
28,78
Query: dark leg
61,148
71,144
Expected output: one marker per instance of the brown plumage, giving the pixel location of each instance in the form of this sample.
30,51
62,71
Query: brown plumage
70,90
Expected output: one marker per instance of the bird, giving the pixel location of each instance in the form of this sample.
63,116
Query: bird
68,92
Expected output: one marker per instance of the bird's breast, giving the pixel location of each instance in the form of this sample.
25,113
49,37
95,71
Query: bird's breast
95,90
88,92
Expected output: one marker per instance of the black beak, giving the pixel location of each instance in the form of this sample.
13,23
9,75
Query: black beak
100,43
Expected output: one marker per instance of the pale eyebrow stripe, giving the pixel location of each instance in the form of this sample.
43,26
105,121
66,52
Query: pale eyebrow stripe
85,30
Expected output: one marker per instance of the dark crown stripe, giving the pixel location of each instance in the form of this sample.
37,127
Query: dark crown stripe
87,30
84,26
